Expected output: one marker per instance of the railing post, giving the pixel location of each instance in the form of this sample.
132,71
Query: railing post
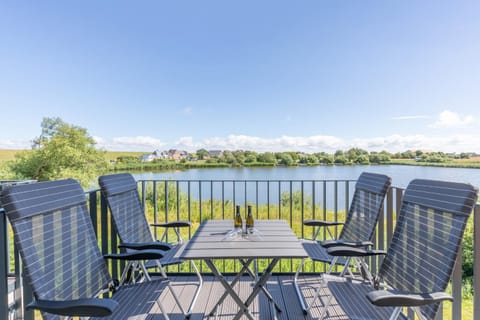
476,262
27,298
457,287
3,266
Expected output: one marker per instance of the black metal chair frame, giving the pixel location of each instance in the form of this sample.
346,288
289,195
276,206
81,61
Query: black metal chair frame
121,193
62,261
419,262
357,231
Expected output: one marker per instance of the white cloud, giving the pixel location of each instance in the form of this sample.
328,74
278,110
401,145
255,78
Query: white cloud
187,143
392,143
449,119
139,143
309,144
283,143
15,144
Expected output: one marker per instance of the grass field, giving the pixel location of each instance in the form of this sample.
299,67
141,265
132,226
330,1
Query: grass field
7,155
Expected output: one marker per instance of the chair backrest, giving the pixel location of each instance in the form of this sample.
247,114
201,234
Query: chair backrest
427,237
365,208
120,191
56,240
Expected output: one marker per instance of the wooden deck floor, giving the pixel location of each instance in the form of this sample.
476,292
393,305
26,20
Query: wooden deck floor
280,287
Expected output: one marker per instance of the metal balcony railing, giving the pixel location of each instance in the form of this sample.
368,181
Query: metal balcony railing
198,200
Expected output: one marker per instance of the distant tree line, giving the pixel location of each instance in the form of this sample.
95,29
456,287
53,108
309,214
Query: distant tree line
352,156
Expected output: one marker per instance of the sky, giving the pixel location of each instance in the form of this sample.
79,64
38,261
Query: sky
266,75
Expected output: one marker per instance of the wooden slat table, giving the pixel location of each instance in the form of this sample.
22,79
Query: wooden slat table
273,239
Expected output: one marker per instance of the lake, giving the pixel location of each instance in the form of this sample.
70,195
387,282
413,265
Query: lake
401,175
241,187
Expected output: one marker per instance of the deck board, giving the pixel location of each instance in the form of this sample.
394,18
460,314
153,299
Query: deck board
279,286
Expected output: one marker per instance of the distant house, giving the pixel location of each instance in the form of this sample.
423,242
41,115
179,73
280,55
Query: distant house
147,157
214,153
160,154
177,154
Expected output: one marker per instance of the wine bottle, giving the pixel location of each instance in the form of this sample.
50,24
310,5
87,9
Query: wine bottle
249,221
237,222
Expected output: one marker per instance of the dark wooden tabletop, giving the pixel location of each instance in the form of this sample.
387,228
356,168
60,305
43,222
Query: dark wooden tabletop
271,239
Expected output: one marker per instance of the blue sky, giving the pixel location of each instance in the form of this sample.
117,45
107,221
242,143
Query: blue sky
261,75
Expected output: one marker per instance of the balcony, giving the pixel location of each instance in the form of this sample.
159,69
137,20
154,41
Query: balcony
198,200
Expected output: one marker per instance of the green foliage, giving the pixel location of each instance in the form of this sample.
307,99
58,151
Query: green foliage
6,172
239,157
378,158
285,159
309,159
340,159
251,158
467,246
267,157
362,159
325,158
61,151
202,154
127,159
297,199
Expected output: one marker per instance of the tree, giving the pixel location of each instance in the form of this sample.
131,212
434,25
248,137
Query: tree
285,158
61,151
239,156
202,154
250,156
362,159
340,159
309,159
267,157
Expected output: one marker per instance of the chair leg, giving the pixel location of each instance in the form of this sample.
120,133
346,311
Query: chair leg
162,308
197,291
365,272
396,313
346,266
125,271
325,307
419,313
297,288
175,296
304,304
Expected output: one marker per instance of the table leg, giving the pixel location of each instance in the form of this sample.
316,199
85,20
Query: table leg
245,268
265,291
258,286
229,290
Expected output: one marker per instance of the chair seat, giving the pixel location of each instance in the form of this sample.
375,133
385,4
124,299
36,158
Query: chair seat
169,257
137,301
318,253
350,295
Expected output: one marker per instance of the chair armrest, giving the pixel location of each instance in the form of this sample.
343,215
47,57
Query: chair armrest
393,298
321,223
344,251
173,224
93,307
147,245
333,243
136,255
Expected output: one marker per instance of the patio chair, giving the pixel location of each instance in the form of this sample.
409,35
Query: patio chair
120,191
357,231
61,258
420,259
